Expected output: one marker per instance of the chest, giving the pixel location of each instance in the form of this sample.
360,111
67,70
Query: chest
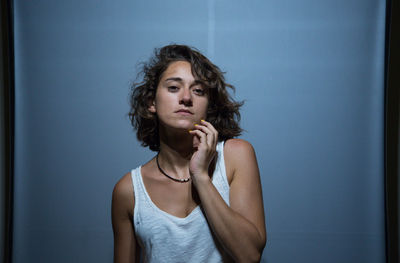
177,199
180,199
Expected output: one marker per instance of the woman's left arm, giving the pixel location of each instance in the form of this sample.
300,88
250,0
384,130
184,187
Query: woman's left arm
240,227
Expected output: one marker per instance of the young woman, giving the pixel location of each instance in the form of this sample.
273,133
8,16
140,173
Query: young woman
199,199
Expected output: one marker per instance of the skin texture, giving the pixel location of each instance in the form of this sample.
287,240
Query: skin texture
240,227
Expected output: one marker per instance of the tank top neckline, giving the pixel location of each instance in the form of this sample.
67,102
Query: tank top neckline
192,213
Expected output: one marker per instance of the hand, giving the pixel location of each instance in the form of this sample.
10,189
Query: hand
206,138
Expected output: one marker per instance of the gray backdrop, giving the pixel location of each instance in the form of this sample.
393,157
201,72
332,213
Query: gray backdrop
311,73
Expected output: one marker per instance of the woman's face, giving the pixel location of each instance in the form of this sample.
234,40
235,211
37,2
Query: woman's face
181,101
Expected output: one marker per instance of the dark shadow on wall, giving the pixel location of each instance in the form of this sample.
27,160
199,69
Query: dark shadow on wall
392,128
6,129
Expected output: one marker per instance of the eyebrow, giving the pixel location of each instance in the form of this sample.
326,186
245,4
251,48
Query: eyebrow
173,79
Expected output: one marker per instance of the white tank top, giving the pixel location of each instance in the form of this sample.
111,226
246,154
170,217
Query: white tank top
163,237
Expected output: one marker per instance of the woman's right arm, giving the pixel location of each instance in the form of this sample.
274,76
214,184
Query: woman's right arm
123,201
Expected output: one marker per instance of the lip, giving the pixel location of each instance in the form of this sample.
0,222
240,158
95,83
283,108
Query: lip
184,112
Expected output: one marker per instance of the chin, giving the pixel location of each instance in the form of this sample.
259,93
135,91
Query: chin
183,125
186,126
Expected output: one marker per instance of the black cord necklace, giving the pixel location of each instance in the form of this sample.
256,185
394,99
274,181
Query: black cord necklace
170,177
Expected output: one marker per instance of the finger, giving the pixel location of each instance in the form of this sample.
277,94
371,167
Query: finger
212,129
209,134
196,141
200,134
209,125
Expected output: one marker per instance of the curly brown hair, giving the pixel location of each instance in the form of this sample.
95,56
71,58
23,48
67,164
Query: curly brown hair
223,112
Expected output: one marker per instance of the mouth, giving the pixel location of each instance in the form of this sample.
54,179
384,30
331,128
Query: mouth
184,112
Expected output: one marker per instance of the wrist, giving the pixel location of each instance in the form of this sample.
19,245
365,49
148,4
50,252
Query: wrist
200,180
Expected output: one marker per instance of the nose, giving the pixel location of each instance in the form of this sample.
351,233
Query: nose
186,97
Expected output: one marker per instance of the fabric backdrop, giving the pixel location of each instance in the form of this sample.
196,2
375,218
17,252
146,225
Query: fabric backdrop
310,72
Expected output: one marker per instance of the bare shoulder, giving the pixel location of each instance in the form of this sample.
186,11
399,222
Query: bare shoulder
123,196
124,185
238,145
238,154
238,150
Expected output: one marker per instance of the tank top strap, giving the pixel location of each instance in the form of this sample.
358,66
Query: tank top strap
219,177
138,189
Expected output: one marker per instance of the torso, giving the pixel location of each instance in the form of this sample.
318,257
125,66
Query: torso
178,199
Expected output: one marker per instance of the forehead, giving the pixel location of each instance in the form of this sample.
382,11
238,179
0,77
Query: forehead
178,69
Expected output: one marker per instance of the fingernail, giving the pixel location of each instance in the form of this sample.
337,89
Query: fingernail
196,125
202,120
190,130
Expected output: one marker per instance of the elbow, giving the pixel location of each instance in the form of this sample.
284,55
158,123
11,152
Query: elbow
252,253
251,256
260,248
256,257
257,253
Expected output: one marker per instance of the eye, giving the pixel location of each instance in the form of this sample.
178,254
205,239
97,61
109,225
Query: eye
199,91
172,88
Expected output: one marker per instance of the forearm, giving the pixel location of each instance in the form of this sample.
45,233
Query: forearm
238,235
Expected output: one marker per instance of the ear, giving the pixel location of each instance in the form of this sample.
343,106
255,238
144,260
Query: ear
152,106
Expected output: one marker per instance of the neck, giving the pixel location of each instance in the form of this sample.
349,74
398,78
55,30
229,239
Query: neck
176,149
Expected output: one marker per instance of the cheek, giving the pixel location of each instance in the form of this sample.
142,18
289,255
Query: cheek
162,100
